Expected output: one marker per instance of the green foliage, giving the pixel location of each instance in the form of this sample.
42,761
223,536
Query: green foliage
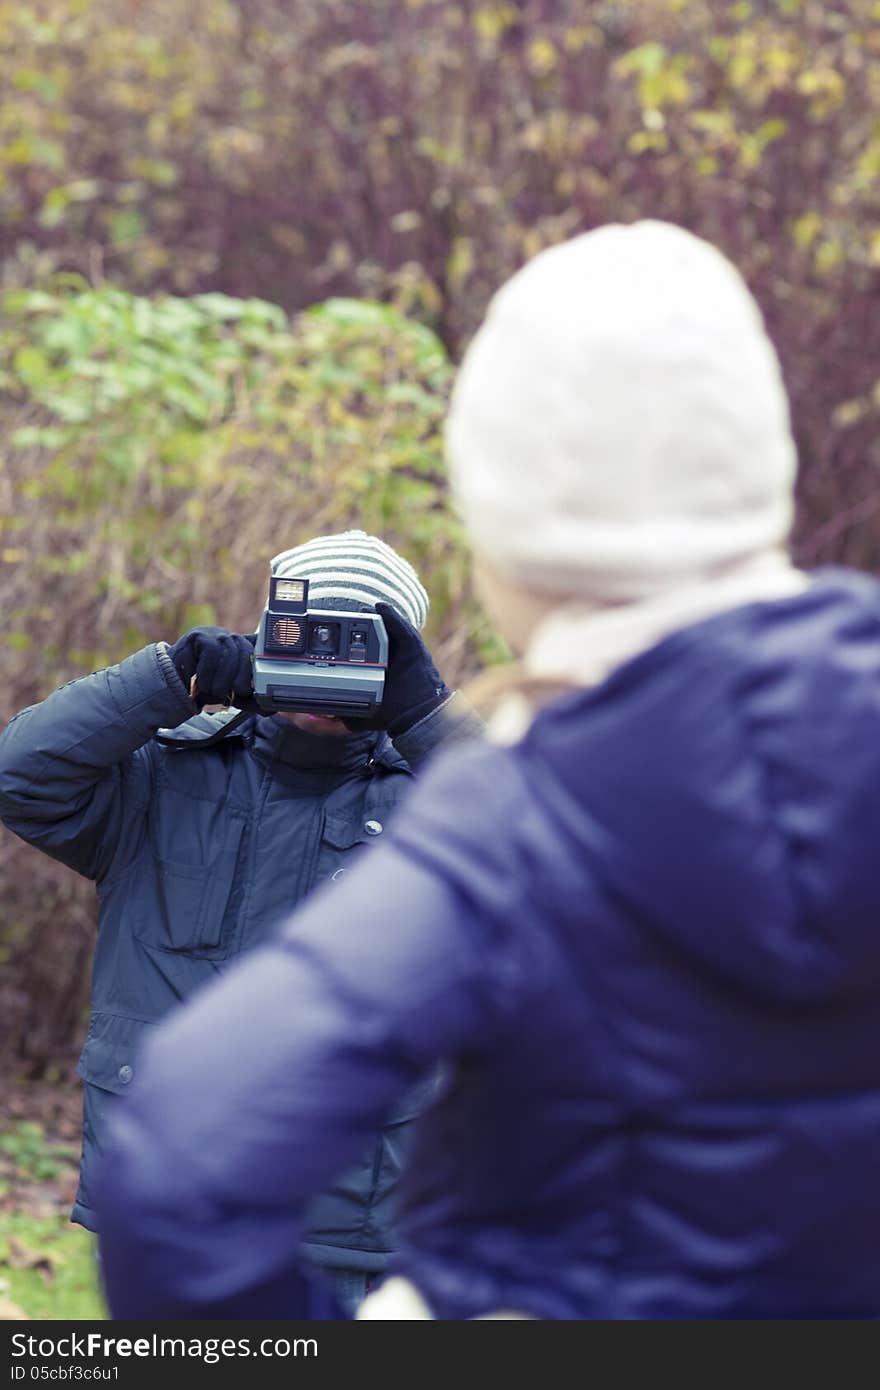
29,1154
48,1269
123,379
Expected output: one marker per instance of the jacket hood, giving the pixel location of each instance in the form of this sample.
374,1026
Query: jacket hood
723,788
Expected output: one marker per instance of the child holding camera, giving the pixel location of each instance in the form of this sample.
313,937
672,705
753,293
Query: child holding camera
200,831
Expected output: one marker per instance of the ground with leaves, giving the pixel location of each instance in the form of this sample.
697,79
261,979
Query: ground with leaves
47,1265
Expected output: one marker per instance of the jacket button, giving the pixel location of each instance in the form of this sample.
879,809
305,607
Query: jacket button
125,1075
373,827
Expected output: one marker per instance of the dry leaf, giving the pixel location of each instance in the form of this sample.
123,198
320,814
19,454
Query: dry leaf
23,1256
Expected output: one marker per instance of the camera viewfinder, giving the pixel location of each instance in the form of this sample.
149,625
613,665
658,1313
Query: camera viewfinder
357,648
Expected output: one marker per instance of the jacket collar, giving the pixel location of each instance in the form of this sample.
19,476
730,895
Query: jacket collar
276,740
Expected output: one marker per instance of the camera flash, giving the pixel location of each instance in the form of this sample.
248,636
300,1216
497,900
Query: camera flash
289,590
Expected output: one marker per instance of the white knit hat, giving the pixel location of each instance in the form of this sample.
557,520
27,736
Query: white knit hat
619,423
355,568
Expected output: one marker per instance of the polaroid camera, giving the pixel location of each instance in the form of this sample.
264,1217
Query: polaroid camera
318,661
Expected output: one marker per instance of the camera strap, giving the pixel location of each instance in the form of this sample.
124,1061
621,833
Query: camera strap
203,730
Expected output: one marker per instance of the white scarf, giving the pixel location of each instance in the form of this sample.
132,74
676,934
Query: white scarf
580,644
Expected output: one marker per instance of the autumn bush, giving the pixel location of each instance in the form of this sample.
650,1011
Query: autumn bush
419,150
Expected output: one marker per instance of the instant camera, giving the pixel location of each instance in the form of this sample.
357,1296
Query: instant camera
315,660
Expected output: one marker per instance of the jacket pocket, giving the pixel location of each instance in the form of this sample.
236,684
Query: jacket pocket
341,838
109,1052
193,907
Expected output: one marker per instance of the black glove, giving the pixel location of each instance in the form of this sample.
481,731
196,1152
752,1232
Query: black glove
220,662
413,685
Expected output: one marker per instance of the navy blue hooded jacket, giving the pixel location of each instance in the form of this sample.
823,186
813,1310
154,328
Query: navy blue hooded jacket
646,939
195,851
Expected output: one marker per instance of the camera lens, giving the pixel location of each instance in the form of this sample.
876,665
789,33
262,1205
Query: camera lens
323,639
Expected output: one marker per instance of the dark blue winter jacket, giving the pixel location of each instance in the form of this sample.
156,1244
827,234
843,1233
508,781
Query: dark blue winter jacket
196,851
647,941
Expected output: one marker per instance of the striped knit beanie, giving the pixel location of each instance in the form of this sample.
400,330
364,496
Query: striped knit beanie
357,569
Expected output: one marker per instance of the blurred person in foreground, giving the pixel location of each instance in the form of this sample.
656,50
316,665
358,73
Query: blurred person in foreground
640,926
198,842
